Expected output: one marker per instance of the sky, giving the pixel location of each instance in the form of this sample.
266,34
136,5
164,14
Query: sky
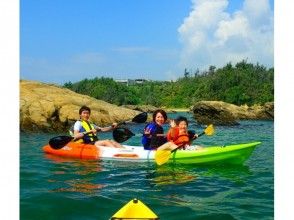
70,40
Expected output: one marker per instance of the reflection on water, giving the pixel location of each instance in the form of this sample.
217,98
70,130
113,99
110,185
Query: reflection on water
81,186
72,175
170,175
157,176
82,167
237,173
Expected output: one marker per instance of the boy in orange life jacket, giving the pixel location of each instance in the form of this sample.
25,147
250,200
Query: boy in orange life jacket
178,136
83,125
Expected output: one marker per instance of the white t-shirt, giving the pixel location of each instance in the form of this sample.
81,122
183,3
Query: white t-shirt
78,126
194,147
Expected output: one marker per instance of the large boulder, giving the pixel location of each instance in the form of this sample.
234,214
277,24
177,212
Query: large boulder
142,108
213,113
151,108
222,113
48,107
269,108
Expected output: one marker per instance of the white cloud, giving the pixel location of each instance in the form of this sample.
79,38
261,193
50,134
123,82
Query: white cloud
229,28
212,36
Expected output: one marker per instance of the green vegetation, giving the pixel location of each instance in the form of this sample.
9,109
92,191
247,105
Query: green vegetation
243,83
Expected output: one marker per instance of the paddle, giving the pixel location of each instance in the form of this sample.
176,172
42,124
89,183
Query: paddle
60,141
122,134
162,156
140,118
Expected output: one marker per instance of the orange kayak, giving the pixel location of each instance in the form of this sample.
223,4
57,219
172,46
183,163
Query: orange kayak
75,150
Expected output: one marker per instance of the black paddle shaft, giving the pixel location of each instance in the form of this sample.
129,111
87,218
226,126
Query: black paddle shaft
60,141
201,134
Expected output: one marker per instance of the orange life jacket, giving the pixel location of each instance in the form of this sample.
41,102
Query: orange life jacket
174,135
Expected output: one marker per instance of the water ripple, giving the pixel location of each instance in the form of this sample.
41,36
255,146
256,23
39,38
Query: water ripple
58,188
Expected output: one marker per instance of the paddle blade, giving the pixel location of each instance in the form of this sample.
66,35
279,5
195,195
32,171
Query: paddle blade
121,134
140,118
162,156
59,142
209,130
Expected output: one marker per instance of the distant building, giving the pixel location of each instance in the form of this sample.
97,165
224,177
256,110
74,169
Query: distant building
129,82
122,81
140,81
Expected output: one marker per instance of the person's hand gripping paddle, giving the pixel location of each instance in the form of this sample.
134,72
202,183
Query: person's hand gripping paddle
162,156
60,141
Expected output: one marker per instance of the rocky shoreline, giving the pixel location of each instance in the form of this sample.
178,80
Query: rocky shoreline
48,107
222,113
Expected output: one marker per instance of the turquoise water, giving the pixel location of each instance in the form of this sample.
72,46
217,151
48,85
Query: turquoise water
57,188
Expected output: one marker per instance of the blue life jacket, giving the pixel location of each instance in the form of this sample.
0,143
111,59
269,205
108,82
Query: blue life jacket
152,139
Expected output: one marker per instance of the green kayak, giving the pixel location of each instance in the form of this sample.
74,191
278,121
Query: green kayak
231,154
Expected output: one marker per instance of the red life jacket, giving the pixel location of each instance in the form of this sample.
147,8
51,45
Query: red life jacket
174,135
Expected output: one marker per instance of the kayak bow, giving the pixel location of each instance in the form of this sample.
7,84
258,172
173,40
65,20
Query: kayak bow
135,209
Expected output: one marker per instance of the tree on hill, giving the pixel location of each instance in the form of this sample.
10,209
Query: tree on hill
244,83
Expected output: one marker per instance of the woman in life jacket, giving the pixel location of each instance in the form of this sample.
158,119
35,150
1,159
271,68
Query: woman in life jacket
178,136
82,126
153,135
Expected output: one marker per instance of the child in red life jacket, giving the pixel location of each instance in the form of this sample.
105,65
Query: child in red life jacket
178,136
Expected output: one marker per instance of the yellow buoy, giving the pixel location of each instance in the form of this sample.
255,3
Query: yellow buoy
134,209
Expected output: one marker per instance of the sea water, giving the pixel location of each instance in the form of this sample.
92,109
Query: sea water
58,188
